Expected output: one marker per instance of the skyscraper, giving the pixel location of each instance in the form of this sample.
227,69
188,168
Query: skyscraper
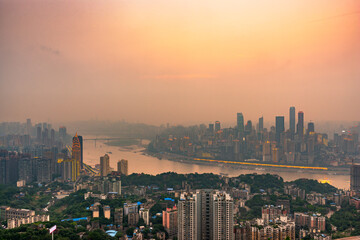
62,133
45,136
217,126
240,124
122,167
355,178
292,120
52,137
104,165
261,124
280,127
311,127
76,158
211,127
38,134
300,125
248,128
82,154
28,126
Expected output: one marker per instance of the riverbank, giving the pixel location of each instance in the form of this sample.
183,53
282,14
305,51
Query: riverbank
258,166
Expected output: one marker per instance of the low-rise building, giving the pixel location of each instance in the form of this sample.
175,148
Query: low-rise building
9,213
17,222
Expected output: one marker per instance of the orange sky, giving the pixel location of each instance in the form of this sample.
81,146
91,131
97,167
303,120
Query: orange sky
179,61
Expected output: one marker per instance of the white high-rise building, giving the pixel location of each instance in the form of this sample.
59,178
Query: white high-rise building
104,165
189,216
206,214
223,216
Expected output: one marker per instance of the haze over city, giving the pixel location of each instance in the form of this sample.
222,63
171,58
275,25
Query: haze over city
180,120
179,61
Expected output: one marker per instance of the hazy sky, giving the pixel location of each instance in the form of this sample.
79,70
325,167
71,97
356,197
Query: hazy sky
179,61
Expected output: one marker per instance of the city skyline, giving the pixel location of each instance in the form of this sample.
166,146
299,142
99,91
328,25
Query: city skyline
178,62
180,120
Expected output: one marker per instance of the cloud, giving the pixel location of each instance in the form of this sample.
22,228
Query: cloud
49,50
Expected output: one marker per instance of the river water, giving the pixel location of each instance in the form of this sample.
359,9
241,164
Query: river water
140,163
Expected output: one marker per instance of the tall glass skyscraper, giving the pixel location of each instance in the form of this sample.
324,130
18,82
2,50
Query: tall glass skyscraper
76,158
300,125
292,120
261,124
240,124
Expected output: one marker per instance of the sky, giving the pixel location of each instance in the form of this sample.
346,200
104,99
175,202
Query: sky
179,62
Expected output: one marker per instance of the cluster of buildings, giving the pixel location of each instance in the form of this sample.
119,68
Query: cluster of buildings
37,153
105,169
16,217
312,221
133,212
105,185
30,153
277,231
298,144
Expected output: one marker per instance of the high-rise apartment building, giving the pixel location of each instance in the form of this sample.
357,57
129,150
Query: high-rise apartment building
133,218
104,165
119,216
267,151
42,167
170,221
206,214
107,212
26,169
145,215
130,208
355,177
189,216
223,216
122,167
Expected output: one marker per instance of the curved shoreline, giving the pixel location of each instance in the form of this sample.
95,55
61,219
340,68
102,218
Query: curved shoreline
249,165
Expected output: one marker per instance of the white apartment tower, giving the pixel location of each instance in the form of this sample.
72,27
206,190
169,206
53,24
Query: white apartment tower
189,216
223,216
205,215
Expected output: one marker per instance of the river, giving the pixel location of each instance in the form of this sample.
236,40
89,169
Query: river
140,163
